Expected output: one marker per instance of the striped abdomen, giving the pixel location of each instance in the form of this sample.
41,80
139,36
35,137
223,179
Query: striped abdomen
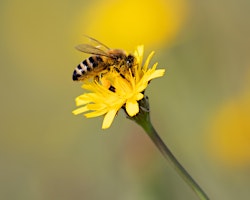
88,68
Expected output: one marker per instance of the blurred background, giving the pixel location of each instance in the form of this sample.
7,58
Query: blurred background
201,107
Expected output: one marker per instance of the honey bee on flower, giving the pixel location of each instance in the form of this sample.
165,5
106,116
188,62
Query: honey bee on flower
120,83
102,59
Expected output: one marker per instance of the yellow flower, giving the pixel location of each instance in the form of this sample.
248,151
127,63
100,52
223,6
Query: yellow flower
110,18
127,90
229,138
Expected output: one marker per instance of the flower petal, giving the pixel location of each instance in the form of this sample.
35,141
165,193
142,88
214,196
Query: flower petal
145,67
156,74
82,99
96,106
96,113
108,119
80,110
132,108
139,54
139,96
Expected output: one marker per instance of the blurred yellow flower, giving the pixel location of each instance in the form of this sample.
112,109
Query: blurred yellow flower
131,22
115,91
230,134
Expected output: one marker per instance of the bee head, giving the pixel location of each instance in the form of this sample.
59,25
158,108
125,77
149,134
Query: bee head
130,60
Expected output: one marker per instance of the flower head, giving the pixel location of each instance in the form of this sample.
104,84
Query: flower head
114,90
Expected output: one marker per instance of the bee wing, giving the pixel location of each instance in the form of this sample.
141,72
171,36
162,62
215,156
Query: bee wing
86,48
97,43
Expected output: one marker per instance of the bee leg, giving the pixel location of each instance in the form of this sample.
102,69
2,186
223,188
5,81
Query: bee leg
112,88
97,78
119,72
122,76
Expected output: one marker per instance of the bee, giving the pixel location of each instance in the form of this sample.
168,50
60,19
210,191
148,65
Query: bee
100,61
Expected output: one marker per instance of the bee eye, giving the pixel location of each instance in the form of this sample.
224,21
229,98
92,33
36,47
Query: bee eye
130,59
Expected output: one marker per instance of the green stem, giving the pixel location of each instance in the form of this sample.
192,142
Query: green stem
173,161
143,119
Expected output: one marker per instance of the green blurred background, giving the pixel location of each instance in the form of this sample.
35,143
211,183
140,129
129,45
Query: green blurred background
201,107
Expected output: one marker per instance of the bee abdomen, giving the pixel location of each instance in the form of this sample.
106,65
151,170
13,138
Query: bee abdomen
86,66
79,71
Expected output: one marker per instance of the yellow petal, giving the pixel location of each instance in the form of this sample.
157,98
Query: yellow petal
142,86
108,119
145,67
80,110
139,54
96,113
139,96
122,86
96,106
157,73
80,102
132,108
